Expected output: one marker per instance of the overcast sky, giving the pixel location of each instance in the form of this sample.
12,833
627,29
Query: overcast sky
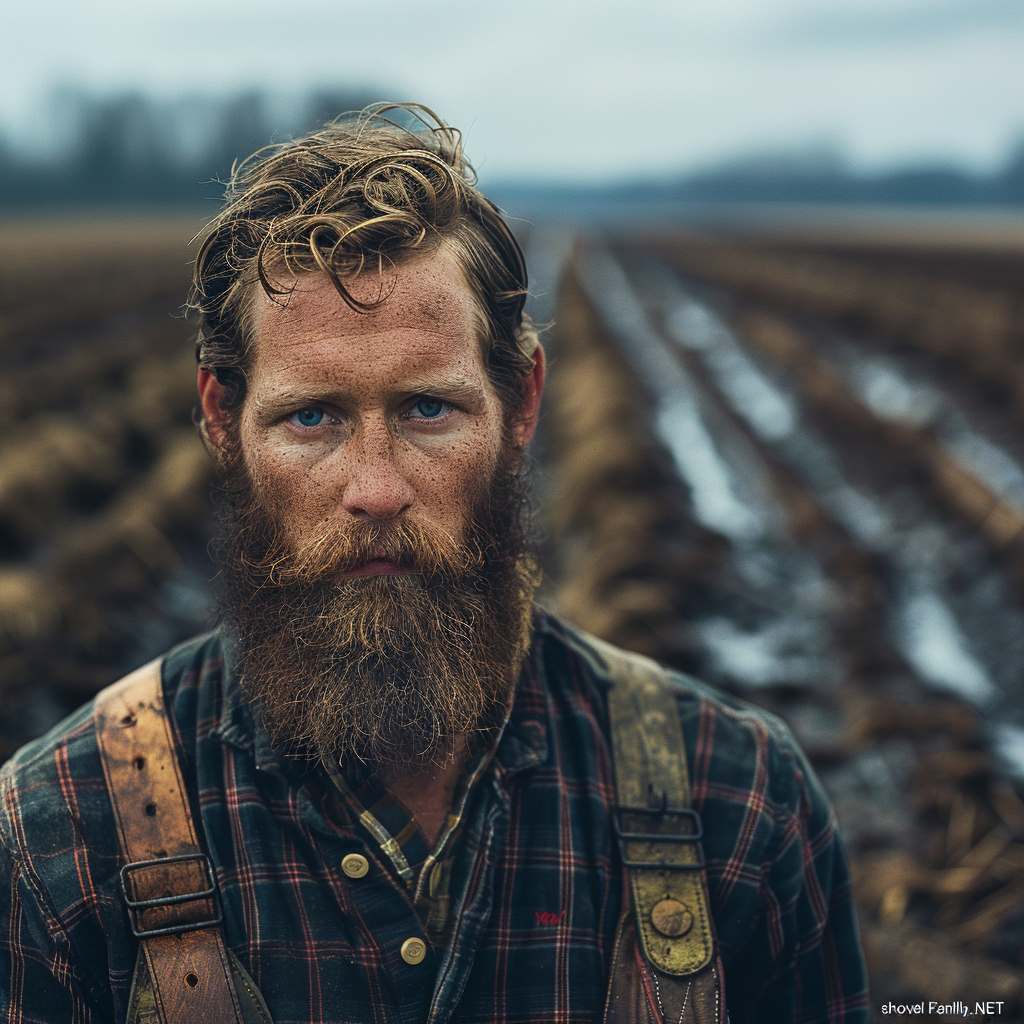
594,89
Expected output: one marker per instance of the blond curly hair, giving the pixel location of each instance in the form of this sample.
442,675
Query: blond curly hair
365,191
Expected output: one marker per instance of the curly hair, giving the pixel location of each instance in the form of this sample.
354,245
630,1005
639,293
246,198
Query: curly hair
362,192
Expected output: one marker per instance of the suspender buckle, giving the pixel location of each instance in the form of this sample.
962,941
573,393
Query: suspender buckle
651,838
166,878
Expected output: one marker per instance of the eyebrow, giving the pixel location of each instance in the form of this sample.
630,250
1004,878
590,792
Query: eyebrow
453,389
456,389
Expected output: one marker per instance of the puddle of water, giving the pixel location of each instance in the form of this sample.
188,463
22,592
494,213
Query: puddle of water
999,471
715,504
778,653
864,517
678,419
730,488
889,395
936,638
1008,746
932,641
768,411
931,636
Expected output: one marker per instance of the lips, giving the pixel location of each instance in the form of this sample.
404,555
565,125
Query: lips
378,564
379,567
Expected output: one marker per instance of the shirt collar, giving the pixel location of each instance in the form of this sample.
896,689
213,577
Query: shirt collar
523,742
240,725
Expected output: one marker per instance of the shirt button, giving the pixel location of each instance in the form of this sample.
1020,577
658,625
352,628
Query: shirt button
355,865
413,951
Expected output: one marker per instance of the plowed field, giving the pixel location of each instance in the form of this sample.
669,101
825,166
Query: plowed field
790,464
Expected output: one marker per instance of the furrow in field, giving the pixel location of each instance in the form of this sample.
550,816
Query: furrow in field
975,328
808,575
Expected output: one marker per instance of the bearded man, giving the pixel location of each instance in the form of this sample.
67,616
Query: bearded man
387,787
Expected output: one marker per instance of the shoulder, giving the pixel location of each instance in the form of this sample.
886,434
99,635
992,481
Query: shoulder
770,838
59,851
54,807
51,787
744,764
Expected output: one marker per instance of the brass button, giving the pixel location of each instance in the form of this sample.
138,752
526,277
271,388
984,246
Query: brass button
671,918
355,865
413,951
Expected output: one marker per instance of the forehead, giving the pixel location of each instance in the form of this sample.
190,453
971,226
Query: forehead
423,303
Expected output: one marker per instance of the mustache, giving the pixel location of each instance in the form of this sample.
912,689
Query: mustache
338,548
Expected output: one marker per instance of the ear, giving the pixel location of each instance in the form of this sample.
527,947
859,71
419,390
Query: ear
526,422
211,400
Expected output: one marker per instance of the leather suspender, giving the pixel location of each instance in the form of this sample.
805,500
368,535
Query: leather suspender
168,881
665,965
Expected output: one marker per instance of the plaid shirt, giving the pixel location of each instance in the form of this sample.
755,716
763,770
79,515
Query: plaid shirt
425,872
535,880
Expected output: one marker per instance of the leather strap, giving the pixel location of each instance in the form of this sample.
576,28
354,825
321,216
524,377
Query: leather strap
165,866
665,924
638,995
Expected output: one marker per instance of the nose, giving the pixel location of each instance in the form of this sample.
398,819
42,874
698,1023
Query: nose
375,487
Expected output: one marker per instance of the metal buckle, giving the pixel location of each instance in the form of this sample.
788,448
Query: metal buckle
660,837
135,907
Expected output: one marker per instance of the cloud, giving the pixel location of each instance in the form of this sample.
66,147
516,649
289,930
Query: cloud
896,25
574,89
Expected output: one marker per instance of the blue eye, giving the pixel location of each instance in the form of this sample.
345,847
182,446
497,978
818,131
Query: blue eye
310,417
431,408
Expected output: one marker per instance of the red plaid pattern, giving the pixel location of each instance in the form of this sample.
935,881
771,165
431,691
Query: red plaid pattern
534,879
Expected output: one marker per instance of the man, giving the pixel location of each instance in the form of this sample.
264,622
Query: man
398,770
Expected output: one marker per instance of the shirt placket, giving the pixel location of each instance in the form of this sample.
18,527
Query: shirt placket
483,838
398,963
416,949
417,988
387,921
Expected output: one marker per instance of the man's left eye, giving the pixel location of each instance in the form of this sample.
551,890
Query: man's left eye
431,408
309,417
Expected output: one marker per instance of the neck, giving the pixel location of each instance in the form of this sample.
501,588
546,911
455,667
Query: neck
428,793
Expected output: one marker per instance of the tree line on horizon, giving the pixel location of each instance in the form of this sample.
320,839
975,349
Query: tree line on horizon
134,149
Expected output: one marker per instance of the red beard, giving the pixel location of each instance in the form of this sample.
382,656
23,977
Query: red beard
391,670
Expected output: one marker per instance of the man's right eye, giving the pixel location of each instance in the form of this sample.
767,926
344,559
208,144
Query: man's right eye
310,417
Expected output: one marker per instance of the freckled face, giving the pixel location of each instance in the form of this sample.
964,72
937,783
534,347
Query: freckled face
371,416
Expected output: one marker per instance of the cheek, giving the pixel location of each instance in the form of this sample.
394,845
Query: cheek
447,486
288,488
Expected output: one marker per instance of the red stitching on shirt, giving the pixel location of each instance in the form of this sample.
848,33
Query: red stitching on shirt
548,917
